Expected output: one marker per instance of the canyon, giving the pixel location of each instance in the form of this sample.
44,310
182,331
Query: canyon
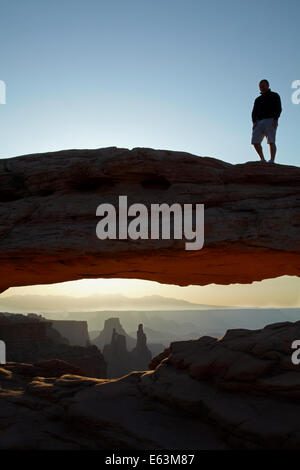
31,338
237,391
240,391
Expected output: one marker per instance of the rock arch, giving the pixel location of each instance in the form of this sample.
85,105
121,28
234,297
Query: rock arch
48,217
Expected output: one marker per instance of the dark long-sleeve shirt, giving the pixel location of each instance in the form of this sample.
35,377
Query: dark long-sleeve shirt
267,105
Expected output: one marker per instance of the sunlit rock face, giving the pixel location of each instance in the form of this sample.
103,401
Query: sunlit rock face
48,217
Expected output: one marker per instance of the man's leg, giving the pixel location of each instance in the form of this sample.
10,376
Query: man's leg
259,150
271,129
273,149
257,138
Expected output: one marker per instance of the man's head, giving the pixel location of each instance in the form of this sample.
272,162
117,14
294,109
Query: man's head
264,85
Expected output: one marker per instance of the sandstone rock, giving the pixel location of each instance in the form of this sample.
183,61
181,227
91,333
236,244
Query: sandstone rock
195,398
56,368
76,332
74,412
31,338
140,355
155,361
48,217
117,356
105,335
119,360
46,368
242,358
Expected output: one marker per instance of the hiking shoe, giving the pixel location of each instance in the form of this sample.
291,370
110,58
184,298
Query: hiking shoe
271,161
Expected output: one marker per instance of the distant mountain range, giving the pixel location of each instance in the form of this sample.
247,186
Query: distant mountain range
165,326
165,319
61,303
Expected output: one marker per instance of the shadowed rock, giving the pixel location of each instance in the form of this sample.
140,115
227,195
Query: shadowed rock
105,335
116,356
48,217
239,391
31,338
119,359
140,355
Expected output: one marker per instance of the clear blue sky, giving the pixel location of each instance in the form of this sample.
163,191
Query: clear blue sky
169,74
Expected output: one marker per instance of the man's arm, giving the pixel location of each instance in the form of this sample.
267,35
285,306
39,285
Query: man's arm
277,107
254,112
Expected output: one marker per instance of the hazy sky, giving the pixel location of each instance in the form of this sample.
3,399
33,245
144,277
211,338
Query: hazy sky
166,74
280,292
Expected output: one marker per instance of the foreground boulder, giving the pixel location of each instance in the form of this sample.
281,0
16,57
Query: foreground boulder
45,368
48,217
239,391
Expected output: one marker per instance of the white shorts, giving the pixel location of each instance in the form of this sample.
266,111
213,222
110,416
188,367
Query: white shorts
264,128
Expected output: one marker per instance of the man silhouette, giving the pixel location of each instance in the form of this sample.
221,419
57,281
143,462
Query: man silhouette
265,115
